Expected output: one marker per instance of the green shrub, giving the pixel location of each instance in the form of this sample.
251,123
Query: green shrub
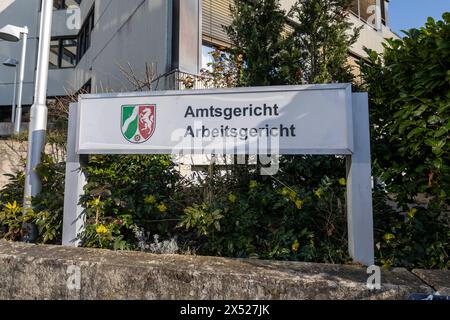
48,206
416,238
409,90
294,215
127,191
298,214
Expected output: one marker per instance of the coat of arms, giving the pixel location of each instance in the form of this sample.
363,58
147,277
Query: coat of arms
138,122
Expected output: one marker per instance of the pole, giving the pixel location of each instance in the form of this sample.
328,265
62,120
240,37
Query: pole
13,107
18,117
359,186
38,121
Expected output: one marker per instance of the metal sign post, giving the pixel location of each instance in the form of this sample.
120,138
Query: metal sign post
285,120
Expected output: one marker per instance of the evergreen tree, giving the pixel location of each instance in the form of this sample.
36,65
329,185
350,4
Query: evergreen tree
255,34
318,45
309,44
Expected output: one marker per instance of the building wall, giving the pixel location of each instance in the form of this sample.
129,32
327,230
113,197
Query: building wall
20,13
132,31
167,33
369,37
135,32
12,155
216,13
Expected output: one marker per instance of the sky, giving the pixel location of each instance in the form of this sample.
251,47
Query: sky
407,14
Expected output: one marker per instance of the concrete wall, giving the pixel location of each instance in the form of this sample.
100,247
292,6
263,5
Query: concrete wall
369,37
44,272
12,155
133,31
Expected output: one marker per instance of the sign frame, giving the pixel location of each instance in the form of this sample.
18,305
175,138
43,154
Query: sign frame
359,180
84,148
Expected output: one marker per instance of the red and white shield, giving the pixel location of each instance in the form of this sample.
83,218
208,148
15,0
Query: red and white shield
147,122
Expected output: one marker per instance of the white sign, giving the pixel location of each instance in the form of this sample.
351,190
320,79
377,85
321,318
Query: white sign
284,120
316,119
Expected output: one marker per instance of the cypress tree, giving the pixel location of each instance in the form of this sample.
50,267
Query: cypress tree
308,44
318,45
256,39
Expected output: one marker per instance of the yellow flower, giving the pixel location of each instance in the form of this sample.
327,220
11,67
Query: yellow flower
162,208
295,246
253,184
11,206
165,162
343,182
319,193
387,264
285,192
95,202
293,195
388,237
150,199
411,214
232,198
101,229
299,204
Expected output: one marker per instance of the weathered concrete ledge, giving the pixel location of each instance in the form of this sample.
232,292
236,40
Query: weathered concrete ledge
43,272
438,279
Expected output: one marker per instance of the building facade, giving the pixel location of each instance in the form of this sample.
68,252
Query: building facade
93,47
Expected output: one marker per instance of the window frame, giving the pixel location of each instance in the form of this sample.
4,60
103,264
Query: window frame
85,34
60,52
52,66
360,15
62,4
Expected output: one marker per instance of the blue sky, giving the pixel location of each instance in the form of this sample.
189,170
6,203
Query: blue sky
407,14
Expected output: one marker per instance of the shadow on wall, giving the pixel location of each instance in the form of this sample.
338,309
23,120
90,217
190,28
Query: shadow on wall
12,158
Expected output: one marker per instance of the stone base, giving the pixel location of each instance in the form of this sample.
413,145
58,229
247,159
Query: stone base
49,272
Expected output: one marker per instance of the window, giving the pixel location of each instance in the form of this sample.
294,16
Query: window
54,54
215,15
354,7
64,4
365,9
84,37
206,56
384,12
63,53
69,53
